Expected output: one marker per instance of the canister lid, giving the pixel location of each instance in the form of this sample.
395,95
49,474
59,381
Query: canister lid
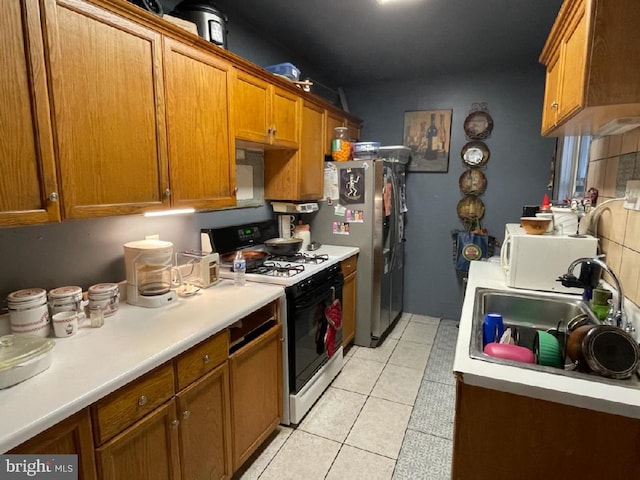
148,244
16,349
101,289
64,292
26,295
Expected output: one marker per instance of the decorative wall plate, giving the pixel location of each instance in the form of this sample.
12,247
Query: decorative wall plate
473,182
475,154
478,125
470,208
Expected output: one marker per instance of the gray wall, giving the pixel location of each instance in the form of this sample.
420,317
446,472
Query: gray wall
517,172
85,252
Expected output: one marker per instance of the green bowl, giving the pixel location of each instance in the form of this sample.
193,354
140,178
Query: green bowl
548,351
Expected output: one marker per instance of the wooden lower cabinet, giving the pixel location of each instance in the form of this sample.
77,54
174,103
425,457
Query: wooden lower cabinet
256,393
72,436
349,300
148,450
205,427
499,435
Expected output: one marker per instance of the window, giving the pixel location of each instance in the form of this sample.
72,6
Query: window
572,160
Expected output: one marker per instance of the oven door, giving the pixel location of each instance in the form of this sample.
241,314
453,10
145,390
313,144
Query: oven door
307,327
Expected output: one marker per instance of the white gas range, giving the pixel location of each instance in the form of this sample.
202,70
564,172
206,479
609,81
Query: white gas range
312,281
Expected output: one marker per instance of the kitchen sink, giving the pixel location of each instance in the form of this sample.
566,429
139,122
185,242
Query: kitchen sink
527,313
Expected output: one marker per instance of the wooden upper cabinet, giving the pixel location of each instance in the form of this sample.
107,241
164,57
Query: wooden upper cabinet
332,120
108,110
28,186
285,118
550,106
592,64
251,108
298,175
201,149
264,113
353,130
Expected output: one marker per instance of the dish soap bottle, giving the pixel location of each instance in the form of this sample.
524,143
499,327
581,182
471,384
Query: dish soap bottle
239,269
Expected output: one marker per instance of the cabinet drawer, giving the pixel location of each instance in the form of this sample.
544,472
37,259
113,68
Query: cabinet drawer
117,411
201,359
349,265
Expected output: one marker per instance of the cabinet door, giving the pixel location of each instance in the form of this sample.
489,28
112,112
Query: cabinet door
311,152
353,130
201,157
106,79
26,151
205,428
332,120
69,437
551,95
298,175
148,450
251,108
256,393
349,309
574,60
284,115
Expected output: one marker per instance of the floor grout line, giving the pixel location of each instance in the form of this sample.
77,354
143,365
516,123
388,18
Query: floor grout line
433,347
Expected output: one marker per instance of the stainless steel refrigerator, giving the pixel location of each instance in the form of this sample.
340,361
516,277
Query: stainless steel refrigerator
364,206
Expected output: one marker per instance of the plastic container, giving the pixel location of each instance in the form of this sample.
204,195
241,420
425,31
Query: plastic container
22,357
28,312
509,352
365,150
105,297
239,269
303,232
492,328
548,351
341,148
395,153
286,70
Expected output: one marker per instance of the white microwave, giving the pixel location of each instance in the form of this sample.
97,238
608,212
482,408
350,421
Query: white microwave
535,262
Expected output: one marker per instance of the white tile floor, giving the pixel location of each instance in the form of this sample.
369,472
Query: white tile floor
386,415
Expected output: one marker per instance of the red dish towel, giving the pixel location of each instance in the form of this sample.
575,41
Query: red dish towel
333,314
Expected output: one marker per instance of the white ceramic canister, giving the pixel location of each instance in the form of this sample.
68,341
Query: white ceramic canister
66,299
105,296
28,312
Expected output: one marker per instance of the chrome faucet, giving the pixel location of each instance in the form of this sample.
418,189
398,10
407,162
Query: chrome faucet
590,280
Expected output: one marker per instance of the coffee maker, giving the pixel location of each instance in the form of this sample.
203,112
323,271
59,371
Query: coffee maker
151,276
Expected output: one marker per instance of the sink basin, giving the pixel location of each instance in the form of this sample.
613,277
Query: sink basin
527,313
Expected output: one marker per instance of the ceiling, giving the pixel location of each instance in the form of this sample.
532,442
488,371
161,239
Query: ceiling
361,41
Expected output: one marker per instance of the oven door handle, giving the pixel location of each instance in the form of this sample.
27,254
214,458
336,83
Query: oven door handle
312,300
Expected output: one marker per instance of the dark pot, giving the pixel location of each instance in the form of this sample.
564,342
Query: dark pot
283,246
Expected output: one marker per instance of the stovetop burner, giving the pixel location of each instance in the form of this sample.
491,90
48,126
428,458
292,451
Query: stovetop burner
301,258
277,270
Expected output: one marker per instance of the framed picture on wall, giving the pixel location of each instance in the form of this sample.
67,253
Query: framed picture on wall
428,134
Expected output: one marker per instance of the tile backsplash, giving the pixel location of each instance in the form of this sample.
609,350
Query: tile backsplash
614,160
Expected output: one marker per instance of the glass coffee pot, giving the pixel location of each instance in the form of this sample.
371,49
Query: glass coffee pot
151,275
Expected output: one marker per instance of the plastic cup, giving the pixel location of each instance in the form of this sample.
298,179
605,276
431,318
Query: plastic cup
492,328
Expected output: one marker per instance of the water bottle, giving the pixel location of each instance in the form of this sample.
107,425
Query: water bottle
239,269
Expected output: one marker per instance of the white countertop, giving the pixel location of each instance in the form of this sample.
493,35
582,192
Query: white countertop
594,395
335,252
97,361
